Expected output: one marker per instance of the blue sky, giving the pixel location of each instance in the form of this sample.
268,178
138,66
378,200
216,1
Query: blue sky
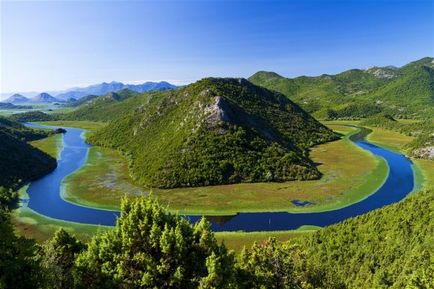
57,45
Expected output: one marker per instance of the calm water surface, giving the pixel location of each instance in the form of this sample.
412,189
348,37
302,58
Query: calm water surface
45,193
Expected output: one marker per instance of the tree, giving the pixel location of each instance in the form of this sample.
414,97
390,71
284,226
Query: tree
58,257
152,249
18,265
272,265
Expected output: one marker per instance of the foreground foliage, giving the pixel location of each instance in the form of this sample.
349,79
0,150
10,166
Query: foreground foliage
150,249
390,247
19,267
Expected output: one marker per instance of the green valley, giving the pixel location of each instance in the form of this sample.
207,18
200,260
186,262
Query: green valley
226,148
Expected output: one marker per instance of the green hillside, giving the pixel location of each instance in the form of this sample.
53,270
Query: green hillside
423,144
102,108
402,92
386,248
215,131
19,161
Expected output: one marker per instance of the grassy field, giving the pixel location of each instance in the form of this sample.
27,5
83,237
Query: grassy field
238,240
389,139
51,145
89,126
426,168
104,176
342,184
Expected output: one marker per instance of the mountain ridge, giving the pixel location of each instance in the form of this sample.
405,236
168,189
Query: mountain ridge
16,98
404,92
99,89
44,97
114,86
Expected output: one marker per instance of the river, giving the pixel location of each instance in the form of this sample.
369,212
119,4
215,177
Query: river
45,194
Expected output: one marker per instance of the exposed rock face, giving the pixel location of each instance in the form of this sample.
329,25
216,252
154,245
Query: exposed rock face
219,111
425,153
382,73
216,131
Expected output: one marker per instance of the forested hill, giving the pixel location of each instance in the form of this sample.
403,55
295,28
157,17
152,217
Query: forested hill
102,108
215,131
407,91
19,161
392,247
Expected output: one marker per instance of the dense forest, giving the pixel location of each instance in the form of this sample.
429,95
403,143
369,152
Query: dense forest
405,92
215,131
19,161
390,247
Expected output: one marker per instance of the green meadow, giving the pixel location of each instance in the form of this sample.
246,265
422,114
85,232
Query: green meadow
51,145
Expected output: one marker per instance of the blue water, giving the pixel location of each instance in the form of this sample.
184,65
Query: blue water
45,194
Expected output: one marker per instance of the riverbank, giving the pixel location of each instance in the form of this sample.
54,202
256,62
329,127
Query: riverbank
334,190
51,145
30,224
236,237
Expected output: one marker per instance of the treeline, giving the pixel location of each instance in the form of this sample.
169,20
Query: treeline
36,115
22,132
353,111
150,248
105,108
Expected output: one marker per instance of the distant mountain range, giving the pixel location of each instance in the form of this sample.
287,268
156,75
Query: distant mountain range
16,98
96,90
44,97
104,88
